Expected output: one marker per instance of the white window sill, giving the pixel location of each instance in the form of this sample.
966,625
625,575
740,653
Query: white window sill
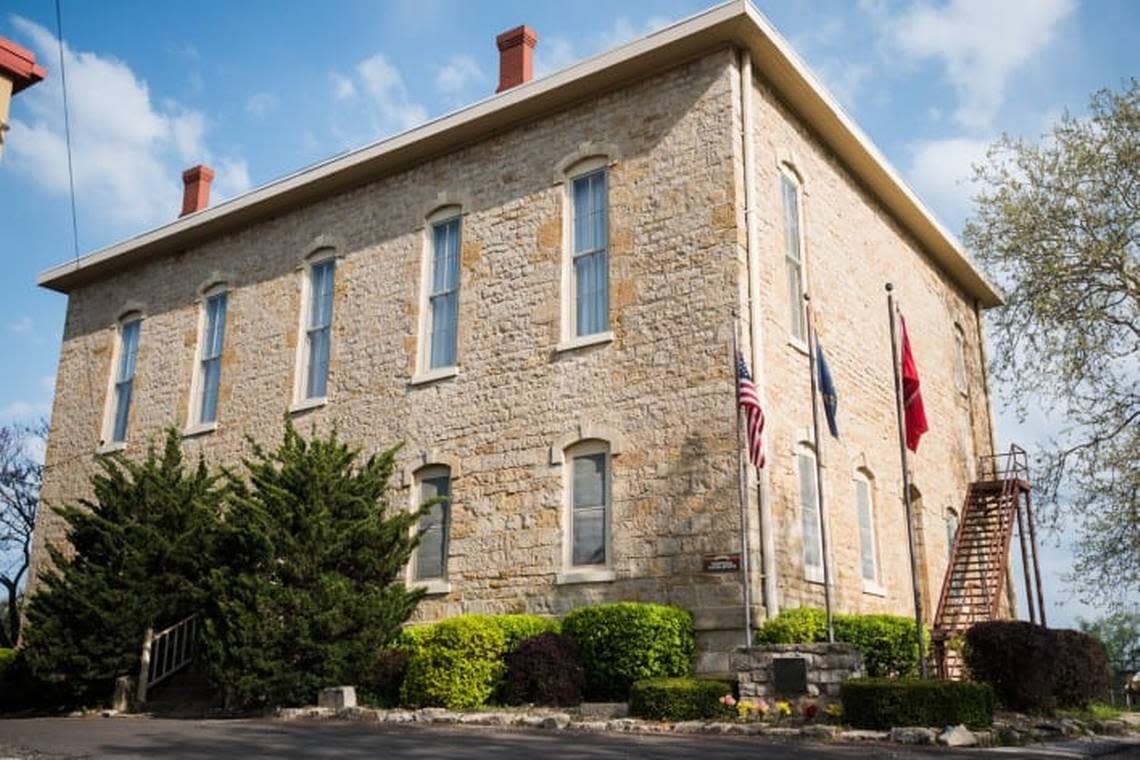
201,428
800,346
813,574
585,575
111,448
433,375
432,587
582,341
305,405
873,588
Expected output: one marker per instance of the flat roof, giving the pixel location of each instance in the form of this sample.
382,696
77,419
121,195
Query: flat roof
735,22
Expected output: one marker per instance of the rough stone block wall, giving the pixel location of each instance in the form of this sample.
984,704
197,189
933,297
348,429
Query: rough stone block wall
827,666
852,248
665,384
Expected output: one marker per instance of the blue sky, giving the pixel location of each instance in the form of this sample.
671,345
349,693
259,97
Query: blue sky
258,89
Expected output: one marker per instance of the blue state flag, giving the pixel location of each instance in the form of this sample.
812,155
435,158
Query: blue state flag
827,391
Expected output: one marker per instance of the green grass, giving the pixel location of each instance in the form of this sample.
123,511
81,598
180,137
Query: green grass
1095,711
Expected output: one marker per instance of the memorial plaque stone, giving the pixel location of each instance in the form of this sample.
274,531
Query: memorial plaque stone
789,676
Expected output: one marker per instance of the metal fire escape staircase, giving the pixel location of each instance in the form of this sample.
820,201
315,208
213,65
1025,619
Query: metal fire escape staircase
976,574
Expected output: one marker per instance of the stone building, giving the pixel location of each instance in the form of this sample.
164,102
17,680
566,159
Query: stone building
539,294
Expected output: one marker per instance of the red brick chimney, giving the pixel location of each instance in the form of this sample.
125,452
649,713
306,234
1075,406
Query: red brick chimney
196,188
516,56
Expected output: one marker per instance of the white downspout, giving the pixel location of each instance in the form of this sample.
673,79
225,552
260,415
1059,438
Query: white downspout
752,251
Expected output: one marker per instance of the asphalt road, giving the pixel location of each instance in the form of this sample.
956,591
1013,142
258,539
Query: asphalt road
53,738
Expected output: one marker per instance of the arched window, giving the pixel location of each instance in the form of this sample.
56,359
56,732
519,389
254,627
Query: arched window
586,250
865,516
960,379
433,482
439,323
790,192
589,499
315,346
208,364
951,528
122,378
809,513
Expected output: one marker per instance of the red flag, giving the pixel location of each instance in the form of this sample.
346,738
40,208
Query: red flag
912,397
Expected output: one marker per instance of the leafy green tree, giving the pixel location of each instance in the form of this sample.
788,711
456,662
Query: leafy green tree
309,582
1120,634
137,556
1057,223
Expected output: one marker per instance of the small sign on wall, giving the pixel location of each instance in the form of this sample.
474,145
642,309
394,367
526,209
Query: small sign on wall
721,563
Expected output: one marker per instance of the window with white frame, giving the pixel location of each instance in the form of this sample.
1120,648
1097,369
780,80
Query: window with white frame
589,249
865,512
433,482
318,328
123,379
809,514
951,528
794,255
960,359
209,369
589,504
442,318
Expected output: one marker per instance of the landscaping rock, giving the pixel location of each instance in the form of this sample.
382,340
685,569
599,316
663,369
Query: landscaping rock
427,714
556,721
957,736
337,697
913,735
368,715
621,724
820,731
863,735
1109,727
985,738
445,717
399,716
690,726
592,726
784,731
604,710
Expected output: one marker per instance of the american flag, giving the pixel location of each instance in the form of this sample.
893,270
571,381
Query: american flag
749,401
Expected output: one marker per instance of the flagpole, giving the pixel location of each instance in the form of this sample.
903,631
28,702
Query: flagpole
819,468
742,471
910,539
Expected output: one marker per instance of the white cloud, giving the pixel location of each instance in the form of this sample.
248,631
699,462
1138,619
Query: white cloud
21,326
980,43
128,150
555,53
343,88
375,102
941,171
260,104
459,73
24,411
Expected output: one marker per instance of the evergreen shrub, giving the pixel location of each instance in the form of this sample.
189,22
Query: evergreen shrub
544,670
882,703
624,642
143,547
309,580
677,699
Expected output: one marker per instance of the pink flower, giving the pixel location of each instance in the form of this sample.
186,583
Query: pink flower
728,700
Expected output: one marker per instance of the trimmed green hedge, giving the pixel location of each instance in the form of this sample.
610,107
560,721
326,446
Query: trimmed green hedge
881,703
628,641
887,642
679,699
7,660
458,663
